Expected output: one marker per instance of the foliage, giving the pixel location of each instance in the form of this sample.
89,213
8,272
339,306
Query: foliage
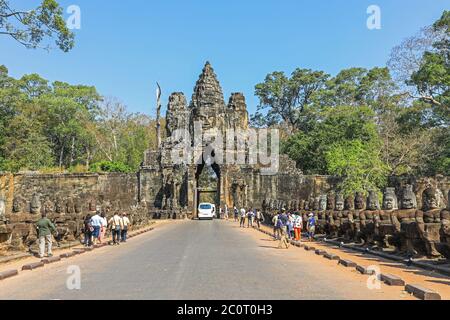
46,125
32,27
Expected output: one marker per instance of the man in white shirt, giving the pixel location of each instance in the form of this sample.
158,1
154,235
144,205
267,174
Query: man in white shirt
126,224
96,223
116,224
243,214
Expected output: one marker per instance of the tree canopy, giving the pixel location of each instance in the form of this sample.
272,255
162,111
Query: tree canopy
34,28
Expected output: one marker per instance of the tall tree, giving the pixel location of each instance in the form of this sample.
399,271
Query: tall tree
33,28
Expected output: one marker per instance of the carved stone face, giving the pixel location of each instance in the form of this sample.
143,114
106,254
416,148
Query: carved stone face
390,199
35,205
59,207
302,205
17,204
360,201
409,200
339,202
2,207
430,198
331,201
350,203
316,204
373,202
49,207
323,203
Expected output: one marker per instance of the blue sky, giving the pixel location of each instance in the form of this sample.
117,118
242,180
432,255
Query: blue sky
124,47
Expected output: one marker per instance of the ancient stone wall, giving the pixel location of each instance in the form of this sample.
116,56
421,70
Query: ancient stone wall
67,199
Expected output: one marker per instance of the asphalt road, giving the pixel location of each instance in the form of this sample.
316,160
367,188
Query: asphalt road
193,260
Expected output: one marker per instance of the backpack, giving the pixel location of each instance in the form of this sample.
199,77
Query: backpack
280,223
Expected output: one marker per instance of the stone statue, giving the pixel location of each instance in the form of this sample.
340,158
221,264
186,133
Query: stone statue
336,215
78,206
59,206
18,204
48,207
331,201
70,206
2,208
360,206
429,222
369,217
384,227
405,222
346,227
445,229
35,205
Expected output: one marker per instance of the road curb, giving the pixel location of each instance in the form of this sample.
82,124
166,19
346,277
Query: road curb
51,260
364,270
32,266
347,263
392,280
332,257
422,293
8,274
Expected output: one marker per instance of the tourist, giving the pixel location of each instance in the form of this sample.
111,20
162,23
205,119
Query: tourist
116,225
44,228
236,214
87,231
96,223
311,226
290,225
282,225
298,223
276,230
250,215
104,227
126,225
226,212
243,214
258,218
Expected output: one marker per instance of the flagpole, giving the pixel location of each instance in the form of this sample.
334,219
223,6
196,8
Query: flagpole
158,115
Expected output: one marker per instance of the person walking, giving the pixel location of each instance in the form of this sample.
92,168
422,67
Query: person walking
126,225
44,229
250,215
87,231
290,225
116,226
276,230
298,223
282,224
103,228
258,218
96,223
311,226
226,212
236,214
243,214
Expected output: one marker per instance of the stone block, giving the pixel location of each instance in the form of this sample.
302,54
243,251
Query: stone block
321,252
51,260
347,263
32,266
331,256
67,255
364,270
392,280
8,274
422,292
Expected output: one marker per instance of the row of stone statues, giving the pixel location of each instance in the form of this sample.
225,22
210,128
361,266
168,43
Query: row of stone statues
17,228
396,225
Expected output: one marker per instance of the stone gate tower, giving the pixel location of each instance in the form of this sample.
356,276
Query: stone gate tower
173,188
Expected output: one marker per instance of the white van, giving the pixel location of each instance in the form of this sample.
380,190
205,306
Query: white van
206,211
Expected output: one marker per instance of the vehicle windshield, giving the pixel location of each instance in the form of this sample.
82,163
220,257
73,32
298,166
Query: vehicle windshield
205,207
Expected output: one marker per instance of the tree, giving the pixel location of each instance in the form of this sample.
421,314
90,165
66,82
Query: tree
358,165
32,28
343,123
286,99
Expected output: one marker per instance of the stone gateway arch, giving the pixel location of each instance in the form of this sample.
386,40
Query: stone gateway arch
173,188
